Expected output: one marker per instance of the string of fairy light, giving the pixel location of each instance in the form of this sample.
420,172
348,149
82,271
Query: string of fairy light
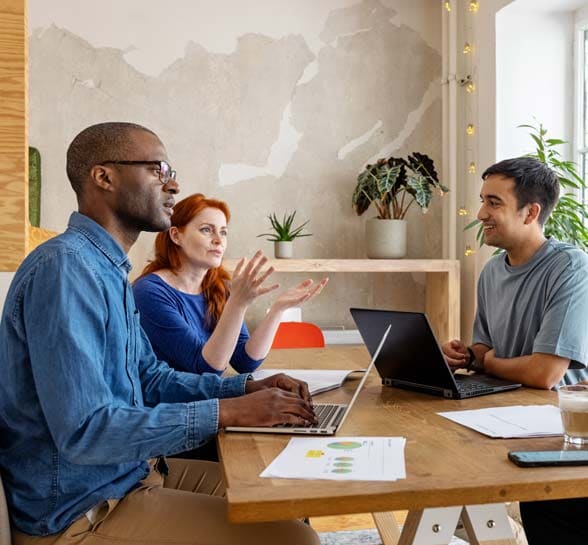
469,85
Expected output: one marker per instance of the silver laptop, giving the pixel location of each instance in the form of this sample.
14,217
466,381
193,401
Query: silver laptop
330,415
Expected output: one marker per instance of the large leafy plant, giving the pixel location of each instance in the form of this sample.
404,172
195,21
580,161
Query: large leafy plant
283,230
394,184
566,222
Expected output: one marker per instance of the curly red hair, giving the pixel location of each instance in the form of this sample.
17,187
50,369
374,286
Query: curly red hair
215,285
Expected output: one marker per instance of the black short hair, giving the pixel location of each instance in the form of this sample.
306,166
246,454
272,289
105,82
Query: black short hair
534,182
97,143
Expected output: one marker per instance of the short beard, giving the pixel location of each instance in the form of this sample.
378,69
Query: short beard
139,224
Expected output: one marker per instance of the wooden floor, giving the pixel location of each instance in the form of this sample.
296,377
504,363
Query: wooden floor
349,522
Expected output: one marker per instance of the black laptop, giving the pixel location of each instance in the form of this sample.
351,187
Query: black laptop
411,357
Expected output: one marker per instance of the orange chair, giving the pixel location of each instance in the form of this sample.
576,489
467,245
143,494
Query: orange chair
298,335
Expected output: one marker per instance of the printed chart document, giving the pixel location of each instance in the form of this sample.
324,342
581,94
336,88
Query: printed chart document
340,459
511,422
318,380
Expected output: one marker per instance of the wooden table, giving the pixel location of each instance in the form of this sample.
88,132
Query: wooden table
447,464
442,292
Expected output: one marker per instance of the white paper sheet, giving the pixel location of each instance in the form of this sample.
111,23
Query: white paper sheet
511,422
340,459
318,380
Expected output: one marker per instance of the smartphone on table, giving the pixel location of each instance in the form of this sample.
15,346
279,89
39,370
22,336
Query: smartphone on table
542,458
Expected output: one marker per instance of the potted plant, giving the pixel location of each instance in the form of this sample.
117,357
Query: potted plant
284,234
566,222
393,185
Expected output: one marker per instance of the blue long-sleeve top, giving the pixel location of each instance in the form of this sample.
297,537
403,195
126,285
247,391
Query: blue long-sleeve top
175,323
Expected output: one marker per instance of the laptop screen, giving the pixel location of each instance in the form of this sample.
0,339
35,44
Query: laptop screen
411,352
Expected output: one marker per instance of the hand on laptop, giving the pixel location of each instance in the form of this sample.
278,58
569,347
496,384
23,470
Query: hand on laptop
278,399
282,381
265,407
456,353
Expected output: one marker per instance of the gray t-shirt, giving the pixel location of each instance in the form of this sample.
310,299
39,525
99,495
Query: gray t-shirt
541,306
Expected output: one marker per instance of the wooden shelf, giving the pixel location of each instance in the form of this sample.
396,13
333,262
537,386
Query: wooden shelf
442,282
358,265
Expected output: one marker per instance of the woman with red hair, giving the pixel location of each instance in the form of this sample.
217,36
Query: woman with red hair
192,310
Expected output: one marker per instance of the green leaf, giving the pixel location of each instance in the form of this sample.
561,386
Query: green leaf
472,224
555,141
422,190
538,141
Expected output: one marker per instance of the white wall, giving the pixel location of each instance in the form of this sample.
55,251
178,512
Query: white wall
270,105
534,75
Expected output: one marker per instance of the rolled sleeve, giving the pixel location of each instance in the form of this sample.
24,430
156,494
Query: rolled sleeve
202,422
233,386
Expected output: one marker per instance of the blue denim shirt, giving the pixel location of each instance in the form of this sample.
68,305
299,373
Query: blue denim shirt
83,399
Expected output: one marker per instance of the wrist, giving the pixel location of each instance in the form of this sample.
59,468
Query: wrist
488,361
224,411
250,384
472,364
275,310
236,305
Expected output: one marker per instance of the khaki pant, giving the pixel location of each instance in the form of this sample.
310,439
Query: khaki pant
186,507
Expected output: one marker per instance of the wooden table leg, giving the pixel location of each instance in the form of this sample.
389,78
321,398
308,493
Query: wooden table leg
388,527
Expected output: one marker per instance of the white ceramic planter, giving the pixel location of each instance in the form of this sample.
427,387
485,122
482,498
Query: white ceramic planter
284,249
385,239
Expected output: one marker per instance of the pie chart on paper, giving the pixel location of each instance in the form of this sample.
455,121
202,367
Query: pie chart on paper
344,445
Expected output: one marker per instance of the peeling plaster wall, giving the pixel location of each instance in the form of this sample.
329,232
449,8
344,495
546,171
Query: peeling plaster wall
273,106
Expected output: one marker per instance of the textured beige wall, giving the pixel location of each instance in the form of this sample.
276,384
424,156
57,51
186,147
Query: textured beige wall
278,116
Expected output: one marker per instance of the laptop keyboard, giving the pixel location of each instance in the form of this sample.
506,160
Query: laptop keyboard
470,386
324,413
467,385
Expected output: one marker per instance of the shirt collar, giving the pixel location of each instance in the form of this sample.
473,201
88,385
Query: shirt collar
100,238
543,250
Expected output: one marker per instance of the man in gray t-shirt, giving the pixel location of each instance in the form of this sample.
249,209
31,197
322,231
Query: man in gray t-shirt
531,322
538,307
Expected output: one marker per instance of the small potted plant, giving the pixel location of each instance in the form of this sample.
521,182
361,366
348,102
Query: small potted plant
284,234
393,185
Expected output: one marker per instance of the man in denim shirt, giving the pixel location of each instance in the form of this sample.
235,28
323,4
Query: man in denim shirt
84,402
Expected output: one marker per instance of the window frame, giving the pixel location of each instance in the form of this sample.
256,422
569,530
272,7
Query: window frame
580,144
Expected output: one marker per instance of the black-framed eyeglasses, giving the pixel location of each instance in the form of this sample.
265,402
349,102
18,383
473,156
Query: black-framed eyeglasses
166,173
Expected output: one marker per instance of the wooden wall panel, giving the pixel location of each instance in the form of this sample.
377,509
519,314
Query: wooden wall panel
13,134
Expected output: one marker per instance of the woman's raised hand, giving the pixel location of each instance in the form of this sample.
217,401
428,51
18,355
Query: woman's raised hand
248,279
299,294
